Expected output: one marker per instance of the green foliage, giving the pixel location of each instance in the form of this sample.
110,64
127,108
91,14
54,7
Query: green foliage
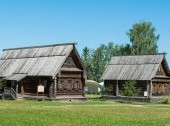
93,96
165,100
143,38
130,89
87,61
106,91
99,62
1,85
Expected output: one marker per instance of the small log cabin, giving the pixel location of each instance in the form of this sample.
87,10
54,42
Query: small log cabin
151,72
57,67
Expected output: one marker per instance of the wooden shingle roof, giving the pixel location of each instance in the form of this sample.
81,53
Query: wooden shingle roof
34,61
135,67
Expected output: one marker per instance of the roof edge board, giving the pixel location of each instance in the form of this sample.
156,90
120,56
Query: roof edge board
134,64
29,47
33,57
141,54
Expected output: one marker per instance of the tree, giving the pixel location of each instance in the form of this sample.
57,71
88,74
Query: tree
130,89
112,49
143,38
86,58
86,54
125,49
99,61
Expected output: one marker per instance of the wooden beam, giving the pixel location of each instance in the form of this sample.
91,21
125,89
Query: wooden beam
150,89
51,89
22,89
160,80
54,87
169,89
147,88
12,84
117,88
16,90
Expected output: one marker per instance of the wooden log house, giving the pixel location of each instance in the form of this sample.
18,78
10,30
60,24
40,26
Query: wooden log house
57,67
151,72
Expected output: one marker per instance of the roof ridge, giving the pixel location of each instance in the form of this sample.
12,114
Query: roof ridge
42,46
141,54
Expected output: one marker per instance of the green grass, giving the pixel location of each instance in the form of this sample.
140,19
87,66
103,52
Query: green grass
87,113
92,96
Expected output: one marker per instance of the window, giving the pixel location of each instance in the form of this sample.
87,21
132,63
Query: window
69,62
60,85
76,84
69,84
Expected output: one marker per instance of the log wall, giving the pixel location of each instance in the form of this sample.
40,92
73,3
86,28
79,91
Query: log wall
70,83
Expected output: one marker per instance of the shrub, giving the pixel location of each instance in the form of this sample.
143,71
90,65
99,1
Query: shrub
130,89
165,100
1,85
106,90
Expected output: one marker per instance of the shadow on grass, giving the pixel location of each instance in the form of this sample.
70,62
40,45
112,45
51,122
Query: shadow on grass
124,102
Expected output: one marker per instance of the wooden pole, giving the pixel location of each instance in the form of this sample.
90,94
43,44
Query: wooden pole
117,88
150,95
17,89
83,87
22,89
147,88
169,89
12,84
51,89
55,87
168,92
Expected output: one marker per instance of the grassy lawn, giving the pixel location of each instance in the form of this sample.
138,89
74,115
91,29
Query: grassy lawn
92,96
87,113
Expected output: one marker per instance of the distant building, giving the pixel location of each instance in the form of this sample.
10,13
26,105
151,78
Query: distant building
57,68
151,73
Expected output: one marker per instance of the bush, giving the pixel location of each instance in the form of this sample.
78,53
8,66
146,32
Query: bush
106,90
1,85
130,89
165,100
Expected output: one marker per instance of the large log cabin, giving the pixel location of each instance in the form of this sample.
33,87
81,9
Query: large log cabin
151,72
57,67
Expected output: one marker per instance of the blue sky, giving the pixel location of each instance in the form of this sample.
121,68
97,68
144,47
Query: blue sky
87,22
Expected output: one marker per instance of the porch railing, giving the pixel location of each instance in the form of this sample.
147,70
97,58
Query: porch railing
9,93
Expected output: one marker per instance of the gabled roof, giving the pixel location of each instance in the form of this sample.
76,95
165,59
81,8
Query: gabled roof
135,67
34,61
